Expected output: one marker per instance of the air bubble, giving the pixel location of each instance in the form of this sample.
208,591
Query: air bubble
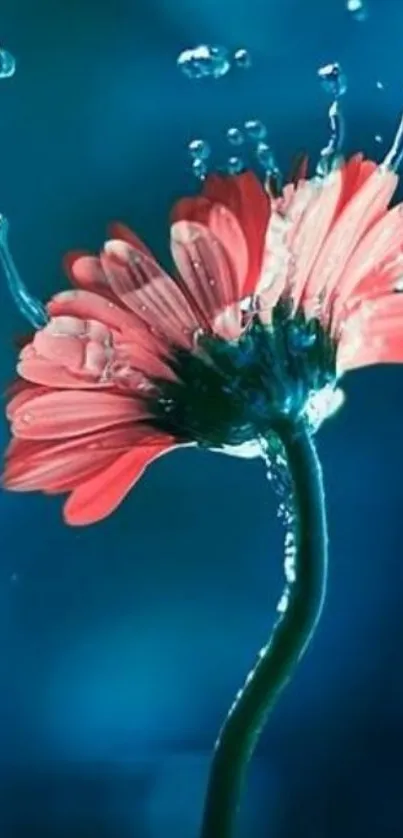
30,307
235,136
7,64
242,59
333,79
199,149
199,168
255,129
357,10
204,61
378,138
265,157
235,166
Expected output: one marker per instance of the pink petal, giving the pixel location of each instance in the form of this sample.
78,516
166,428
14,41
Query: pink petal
312,227
142,286
99,496
117,230
69,413
34,465
205,269
87,273
364,209
381,246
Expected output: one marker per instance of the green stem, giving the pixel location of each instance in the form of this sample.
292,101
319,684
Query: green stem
291,635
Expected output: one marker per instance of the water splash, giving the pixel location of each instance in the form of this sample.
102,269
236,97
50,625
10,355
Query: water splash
211,61
204,61
30,307
7,64
333,82
322,404
394,156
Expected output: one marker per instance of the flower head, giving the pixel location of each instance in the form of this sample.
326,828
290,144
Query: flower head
274,298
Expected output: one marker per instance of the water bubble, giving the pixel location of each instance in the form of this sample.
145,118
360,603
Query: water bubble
333,79
242,59
378,138
380,85
255,129
30,307
199,149
199,168
7,64
235,166
357,9
235,136
265,156
204,61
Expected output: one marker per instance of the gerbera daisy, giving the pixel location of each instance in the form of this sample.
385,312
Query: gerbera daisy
272,300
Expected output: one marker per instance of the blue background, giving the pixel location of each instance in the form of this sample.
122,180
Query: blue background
122,645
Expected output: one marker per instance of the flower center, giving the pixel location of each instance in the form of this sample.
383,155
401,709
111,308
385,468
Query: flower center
234,392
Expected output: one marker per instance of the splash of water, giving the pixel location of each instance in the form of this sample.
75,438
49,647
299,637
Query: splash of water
204,61
30,307
394,156
333,82
7,64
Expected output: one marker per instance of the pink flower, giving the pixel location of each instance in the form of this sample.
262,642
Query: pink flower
275,298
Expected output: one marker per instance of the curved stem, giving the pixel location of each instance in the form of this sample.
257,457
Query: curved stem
304,596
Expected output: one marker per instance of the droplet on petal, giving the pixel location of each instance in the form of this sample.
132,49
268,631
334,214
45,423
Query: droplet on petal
7,64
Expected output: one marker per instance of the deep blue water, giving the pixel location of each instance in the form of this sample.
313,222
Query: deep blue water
124,643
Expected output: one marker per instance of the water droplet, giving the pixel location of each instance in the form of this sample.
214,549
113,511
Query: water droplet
255,129
199,149
333,79
7,64
357,9
282,605
30,307
235,136
265,156
199,168
234,165
204,61
242,59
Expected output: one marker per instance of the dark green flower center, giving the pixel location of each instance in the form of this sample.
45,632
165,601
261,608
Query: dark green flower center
233,392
